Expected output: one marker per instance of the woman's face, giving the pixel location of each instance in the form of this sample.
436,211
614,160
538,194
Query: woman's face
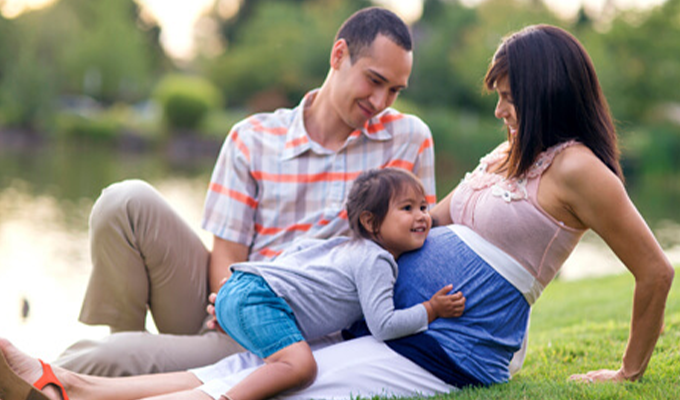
505,108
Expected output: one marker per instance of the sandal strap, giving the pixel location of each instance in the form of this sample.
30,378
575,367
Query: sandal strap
48,378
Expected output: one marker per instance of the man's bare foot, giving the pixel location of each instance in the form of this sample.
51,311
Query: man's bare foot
17,372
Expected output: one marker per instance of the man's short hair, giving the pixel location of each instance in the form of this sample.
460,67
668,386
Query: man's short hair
361,29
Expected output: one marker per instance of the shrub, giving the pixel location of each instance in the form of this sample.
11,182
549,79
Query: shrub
92,128
186,100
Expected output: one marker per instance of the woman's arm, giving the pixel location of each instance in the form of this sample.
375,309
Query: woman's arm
441,212
598,200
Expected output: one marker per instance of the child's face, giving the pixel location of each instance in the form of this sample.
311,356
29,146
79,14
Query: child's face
406,224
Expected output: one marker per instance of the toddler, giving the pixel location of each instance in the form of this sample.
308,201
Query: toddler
317,287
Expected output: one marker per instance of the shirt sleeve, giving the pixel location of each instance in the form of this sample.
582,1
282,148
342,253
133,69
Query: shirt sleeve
232,199
423,166
375,286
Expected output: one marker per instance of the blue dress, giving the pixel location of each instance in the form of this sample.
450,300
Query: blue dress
476,348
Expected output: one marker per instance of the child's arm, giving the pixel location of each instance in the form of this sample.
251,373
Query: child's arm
443,305
375,285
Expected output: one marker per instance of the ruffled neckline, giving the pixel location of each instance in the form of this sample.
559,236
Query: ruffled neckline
512,188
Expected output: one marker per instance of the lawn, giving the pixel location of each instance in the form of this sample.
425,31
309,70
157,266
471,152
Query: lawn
583,325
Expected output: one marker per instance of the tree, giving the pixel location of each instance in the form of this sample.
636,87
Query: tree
638,62
455,43
281,48
27,87
111,54
98,48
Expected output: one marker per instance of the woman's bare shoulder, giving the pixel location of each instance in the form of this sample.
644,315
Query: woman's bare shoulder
578,164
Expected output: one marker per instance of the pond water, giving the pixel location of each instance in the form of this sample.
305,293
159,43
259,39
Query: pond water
45,198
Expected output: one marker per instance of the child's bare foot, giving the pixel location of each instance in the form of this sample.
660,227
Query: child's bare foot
17,372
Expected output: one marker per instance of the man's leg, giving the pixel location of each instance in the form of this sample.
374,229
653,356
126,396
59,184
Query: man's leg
145,255
139,353
19,371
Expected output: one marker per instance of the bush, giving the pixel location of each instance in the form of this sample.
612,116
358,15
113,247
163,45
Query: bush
186,100
91,128
650,150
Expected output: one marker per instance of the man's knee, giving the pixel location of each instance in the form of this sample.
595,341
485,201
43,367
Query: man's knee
120,200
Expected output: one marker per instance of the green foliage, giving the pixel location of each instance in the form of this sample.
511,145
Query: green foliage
27,82
218,122
455,44
94,128
656,147
276,50
26,92
637,60
186,100
282,47
460,138
98,48
110,57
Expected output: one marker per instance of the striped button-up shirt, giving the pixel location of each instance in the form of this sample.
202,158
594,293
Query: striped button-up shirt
273,184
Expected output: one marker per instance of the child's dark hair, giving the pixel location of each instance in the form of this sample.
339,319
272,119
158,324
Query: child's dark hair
372,191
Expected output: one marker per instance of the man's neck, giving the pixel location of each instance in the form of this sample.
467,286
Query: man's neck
323,124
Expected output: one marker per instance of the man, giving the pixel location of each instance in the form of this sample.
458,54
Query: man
279,176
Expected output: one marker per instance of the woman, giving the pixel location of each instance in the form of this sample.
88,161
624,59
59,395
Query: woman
514,220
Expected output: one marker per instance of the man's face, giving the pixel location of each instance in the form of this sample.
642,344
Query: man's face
361,90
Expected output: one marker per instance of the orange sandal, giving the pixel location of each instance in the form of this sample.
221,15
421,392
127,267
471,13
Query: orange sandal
12,387
48,378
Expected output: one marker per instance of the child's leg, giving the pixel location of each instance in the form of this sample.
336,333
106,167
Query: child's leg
292,367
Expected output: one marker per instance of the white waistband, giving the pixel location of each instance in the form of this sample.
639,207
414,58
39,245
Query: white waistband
505,265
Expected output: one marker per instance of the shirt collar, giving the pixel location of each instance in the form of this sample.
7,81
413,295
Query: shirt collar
298,140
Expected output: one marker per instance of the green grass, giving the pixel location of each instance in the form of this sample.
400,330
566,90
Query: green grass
583,325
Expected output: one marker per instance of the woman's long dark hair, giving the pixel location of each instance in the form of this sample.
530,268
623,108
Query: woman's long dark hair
556,95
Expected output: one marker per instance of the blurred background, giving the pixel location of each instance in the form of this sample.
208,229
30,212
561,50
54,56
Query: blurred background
92,92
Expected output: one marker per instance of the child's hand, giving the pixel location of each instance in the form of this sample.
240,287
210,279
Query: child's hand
443,305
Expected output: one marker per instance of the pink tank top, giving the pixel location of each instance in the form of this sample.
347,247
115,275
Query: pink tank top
507,214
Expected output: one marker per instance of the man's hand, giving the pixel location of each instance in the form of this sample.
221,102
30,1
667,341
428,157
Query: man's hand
212,322
443,305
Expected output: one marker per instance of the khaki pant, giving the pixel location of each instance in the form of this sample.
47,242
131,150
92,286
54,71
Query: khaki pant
145,257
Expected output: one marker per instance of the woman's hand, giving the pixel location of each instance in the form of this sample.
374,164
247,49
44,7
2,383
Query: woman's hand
443,305
603,375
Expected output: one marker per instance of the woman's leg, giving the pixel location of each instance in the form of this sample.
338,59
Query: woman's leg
84,387
366,367
361,367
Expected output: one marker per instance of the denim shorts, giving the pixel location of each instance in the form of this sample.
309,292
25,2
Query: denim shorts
253,315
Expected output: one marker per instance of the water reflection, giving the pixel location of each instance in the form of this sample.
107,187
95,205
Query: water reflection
45,199
44,259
